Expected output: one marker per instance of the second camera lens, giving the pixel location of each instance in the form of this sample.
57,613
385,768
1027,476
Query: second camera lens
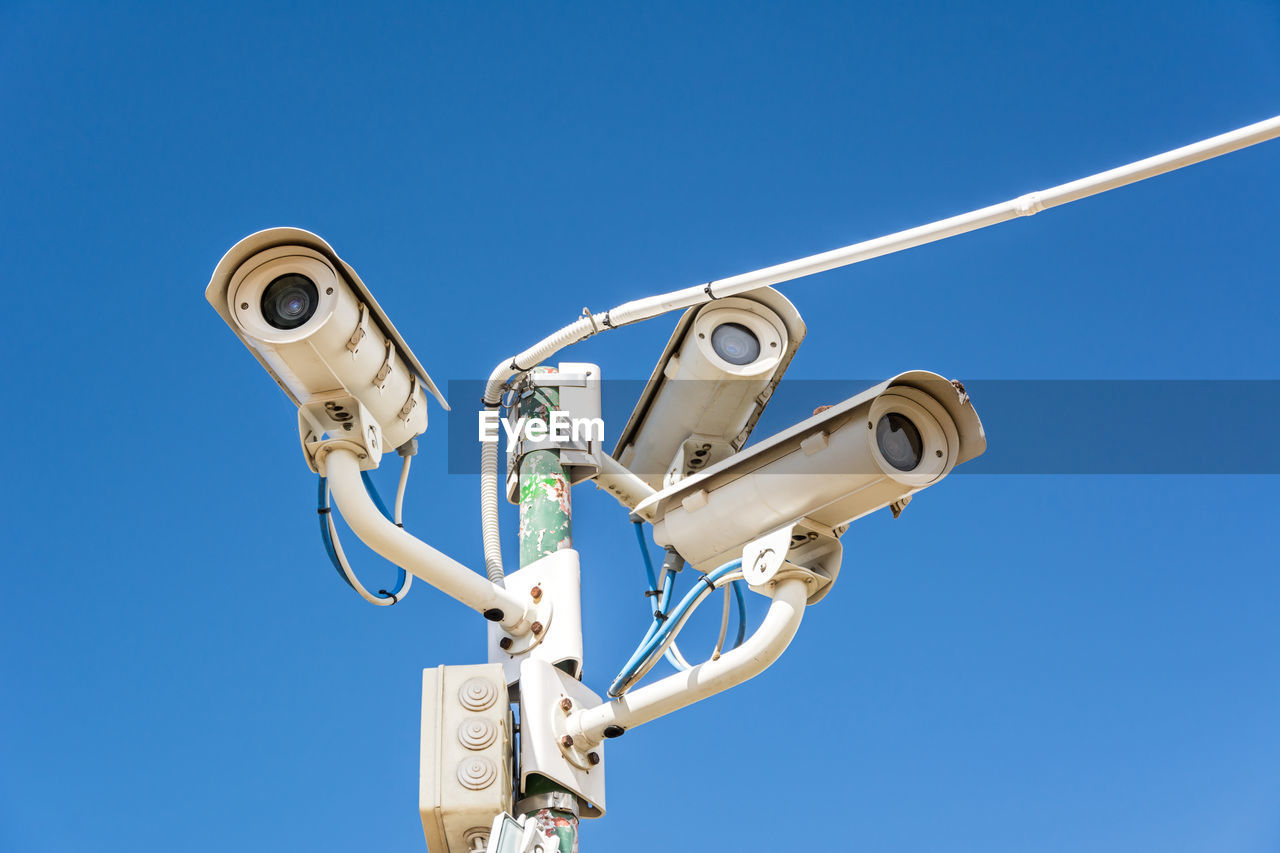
899,441
735,343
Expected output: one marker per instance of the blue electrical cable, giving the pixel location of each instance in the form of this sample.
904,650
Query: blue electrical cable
668,588
323,509
739,601
656,640
377,498
644,552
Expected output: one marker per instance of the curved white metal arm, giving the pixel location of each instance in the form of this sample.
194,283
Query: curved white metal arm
674,692
411,553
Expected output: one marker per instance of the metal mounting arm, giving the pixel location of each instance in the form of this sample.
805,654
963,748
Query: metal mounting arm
677,691
412,554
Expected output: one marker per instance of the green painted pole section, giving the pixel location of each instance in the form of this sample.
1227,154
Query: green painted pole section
546,526
546,518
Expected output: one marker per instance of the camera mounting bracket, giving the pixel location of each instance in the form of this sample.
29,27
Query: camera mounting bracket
805,549
329,421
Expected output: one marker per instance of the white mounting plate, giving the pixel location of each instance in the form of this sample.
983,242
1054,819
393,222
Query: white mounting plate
806,547
542,726
346,422
558,577
762,557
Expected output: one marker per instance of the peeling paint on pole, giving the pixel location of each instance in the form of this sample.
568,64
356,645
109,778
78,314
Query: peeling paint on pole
546,514
560,825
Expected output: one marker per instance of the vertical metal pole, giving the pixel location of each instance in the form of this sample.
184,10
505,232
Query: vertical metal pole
545,513
546,525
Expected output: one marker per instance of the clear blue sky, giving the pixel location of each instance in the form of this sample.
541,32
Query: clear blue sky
1021,662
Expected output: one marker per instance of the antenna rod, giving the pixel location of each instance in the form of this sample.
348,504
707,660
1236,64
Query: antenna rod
1024,205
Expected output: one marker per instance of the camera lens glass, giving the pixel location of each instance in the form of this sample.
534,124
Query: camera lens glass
290,301
899,441
735,343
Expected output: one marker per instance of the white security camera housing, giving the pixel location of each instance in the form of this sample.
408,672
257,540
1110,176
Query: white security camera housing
871,451
712,382
314,326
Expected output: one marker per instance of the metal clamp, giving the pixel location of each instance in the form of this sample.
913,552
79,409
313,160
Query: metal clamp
384,373
556,380
361,331
804,549
407,409
557,800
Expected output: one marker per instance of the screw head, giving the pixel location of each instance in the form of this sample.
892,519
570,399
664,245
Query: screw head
593,757
566,741
536,628
505,643
566,704
536,593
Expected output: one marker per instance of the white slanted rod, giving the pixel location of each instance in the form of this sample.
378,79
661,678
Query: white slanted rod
653,306
412,554
677,691
1024,205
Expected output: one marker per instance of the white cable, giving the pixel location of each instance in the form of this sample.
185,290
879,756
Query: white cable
400,488
676,658
724,624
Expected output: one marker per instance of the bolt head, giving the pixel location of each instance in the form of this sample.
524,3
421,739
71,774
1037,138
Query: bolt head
593,757
505,643
566,741
536,628
536,593
566,704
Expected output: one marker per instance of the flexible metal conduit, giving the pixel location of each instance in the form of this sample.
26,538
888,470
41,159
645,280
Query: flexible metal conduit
674,692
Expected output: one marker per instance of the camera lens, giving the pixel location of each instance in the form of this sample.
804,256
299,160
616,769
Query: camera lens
899,441
289,301
735,343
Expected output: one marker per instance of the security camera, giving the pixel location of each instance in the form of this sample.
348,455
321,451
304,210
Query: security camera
712,382
314,326
874,450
